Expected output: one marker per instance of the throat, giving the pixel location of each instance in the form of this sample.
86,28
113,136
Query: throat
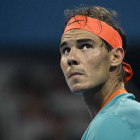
94,102
95,99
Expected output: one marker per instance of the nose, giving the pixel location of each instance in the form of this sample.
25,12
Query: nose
73,58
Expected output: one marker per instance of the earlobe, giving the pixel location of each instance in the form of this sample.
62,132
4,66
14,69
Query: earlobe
117,56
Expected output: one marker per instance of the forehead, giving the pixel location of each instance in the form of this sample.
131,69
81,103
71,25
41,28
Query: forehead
76,34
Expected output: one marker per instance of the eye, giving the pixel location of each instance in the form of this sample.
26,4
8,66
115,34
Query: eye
86,46
66,50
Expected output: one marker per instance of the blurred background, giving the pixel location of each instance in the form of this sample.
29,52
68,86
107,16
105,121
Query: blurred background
35,102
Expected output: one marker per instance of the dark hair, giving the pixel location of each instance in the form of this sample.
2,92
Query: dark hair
107,15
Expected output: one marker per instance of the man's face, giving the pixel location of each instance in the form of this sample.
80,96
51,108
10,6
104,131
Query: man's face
84,62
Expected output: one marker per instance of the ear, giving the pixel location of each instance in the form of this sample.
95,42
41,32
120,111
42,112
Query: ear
117,56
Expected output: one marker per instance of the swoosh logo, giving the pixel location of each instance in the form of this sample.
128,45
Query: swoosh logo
74,22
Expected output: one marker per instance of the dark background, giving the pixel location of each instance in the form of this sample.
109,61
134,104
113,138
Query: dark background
35,102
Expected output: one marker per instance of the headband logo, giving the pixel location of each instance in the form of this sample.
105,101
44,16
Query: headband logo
74,22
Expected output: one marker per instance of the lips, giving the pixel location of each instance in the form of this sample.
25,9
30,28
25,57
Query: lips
74,74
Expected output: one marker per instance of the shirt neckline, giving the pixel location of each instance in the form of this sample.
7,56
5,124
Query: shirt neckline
117,92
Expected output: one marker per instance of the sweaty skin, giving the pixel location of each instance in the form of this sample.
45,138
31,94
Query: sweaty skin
86,65
87,57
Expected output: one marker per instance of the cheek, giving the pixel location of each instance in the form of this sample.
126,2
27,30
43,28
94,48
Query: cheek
93,55
63,64
93,59
97,63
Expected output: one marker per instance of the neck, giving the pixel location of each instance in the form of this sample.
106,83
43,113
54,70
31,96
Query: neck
95,98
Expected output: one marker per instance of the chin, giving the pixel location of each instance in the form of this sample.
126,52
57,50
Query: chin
77,90
79,87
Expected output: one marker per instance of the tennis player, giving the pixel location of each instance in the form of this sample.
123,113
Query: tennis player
92,51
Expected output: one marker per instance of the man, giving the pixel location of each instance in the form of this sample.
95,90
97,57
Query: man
92,51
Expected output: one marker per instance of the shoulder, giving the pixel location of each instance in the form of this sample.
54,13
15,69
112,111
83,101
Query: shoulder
108,127
118,120
128,110
125,108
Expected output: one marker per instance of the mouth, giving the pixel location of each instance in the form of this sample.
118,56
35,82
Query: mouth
74,74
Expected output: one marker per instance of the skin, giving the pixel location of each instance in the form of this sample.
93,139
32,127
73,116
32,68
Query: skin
89,69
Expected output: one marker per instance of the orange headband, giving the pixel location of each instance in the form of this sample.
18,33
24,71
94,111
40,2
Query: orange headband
104,31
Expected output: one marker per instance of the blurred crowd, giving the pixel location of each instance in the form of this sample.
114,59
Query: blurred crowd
36,104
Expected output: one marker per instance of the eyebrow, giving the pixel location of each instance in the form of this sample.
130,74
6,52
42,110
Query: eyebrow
84,40
62,44
78,41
